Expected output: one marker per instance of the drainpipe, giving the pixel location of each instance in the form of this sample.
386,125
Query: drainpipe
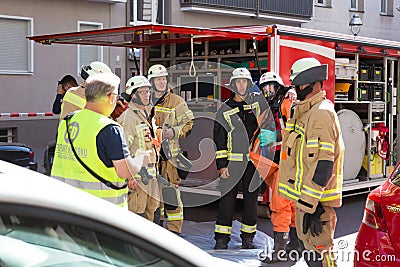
258,9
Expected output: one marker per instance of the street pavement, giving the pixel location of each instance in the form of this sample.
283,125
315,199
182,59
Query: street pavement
349,218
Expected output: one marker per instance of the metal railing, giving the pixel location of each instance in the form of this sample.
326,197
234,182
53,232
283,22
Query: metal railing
298,8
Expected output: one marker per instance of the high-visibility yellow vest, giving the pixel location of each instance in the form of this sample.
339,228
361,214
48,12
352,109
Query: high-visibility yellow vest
84,127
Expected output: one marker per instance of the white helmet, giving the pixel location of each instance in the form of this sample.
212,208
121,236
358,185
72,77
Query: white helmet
135,83
157,70
94,68
242,73
271,77
308,70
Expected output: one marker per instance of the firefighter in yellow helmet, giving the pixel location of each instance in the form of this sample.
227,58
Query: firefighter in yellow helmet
235,124
139,134
311,163
172,114
74,99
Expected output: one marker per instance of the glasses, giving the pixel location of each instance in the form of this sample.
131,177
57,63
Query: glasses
116,95
144,92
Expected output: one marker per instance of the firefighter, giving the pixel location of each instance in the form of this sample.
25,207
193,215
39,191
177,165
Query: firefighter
139,134
91,153
67,82
311,163
236,121
74,99
282,210
173,116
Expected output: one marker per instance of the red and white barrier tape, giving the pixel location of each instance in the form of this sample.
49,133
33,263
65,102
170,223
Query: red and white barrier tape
28,114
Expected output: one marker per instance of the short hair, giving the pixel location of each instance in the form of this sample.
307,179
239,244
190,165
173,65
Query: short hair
100,85
68,79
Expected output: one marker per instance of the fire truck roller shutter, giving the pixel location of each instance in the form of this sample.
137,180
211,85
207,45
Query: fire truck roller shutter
354,142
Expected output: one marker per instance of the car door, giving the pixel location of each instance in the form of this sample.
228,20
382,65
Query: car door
49,237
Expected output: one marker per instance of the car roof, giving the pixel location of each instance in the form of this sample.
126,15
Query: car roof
22,186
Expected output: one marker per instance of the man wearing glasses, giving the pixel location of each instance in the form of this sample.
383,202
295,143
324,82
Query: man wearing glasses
139,134
91,152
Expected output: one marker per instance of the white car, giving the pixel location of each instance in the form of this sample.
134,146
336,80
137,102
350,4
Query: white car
44,222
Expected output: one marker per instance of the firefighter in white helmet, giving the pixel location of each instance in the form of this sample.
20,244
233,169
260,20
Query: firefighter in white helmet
139,133
172,114
311,163
235,123
280,99
74,98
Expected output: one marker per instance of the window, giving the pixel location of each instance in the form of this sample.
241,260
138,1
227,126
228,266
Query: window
323,3
89,53
53,242
8,135
383,6
147,11
356,5
16,51
386,7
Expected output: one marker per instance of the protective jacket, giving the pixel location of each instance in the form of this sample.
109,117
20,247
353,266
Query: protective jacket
85,125
232,121
138,134
74,99
171,111
311,165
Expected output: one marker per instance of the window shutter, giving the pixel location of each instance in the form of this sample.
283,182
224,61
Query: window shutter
14,47
88,53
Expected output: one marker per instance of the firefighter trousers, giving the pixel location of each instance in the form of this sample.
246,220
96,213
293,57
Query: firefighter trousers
145,199
174,217
229,189
322,244
283,214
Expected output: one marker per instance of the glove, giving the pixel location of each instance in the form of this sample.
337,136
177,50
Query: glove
266,137
313,221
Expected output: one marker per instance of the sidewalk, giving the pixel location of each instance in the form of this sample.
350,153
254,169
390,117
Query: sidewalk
201,234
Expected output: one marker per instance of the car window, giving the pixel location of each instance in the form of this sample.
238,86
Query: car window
396,176
55,243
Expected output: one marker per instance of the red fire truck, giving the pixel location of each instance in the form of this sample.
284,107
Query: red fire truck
364,76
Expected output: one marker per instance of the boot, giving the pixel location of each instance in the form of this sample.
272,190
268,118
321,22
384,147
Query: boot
247,241
221,242
294,241
279,253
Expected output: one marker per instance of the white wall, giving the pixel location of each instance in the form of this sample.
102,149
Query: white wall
337,19
36,92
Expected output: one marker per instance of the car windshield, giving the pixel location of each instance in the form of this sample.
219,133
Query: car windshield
27,241
396,176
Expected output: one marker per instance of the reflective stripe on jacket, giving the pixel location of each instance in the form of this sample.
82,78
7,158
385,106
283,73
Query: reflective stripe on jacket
173,112
234,126
74,99
311,136
136,135
84,127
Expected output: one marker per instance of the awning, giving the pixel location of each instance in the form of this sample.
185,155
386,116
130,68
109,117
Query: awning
146,35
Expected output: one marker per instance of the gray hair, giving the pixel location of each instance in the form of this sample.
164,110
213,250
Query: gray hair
100,86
